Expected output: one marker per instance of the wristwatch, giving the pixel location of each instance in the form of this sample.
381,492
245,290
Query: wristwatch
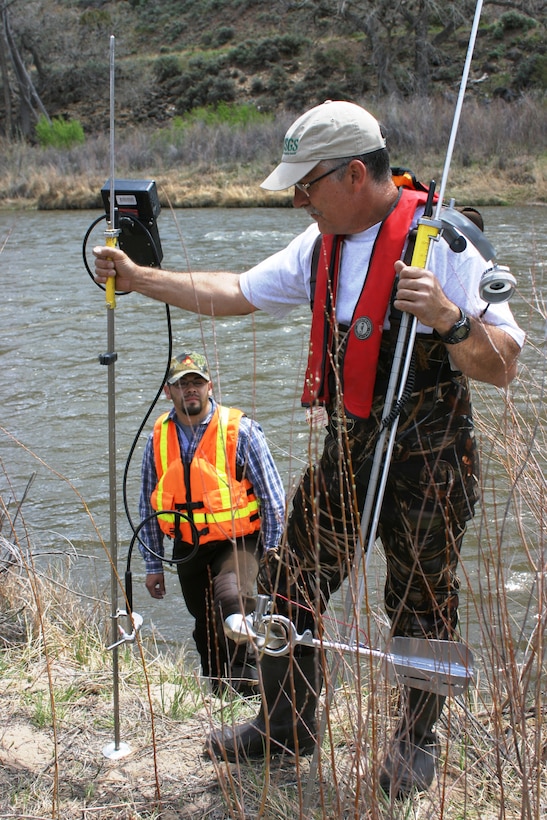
458,332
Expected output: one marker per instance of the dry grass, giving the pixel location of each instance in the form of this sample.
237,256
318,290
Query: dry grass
522,182
499,157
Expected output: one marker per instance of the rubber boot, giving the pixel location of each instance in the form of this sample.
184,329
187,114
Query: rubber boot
241,672
412,759
286,717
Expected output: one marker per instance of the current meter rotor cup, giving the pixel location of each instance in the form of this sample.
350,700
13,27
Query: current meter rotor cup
497,284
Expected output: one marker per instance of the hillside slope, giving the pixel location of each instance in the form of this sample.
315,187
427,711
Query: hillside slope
173,55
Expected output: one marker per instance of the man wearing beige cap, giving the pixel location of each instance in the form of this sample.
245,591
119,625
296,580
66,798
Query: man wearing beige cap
335,157
209,484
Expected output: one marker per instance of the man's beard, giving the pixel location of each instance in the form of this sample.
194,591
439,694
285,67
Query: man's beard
194,409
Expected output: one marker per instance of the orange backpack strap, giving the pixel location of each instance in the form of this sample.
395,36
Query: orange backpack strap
404,178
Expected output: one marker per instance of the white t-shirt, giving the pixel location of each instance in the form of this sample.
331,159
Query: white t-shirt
282,281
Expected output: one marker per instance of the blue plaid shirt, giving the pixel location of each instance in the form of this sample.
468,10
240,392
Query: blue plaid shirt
252,454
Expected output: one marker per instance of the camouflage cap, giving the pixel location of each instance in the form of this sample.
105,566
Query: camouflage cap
187,363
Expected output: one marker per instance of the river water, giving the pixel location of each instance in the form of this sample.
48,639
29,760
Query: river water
54,391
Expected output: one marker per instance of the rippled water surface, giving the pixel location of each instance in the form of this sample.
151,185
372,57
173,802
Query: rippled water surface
54,392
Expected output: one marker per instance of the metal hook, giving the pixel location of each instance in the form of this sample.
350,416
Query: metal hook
126,637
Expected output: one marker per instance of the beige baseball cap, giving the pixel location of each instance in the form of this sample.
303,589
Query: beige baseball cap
332,130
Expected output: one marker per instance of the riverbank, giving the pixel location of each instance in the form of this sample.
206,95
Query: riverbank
205,161
57,715
522,182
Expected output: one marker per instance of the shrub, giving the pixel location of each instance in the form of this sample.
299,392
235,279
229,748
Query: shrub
166,67
299,96
257,86
59,133
532,72
71,83
202,64
254,54
512,21
277,81
220,90
236,116
224,35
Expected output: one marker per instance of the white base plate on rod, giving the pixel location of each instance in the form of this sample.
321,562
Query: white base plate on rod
112,753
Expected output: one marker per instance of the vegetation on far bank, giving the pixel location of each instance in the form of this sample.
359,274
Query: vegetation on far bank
204,92
174,56
218,156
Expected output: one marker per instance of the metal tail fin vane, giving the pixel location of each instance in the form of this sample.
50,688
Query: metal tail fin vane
442,667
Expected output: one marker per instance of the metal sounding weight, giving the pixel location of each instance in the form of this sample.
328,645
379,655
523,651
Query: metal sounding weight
428,232
116,749
443,667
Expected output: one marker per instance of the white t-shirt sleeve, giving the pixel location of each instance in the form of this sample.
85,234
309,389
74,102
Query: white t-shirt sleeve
459,275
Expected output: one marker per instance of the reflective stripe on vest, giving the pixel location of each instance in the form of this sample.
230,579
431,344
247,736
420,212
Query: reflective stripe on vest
362,345
219,506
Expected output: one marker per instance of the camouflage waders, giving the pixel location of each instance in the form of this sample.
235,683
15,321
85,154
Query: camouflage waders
430,494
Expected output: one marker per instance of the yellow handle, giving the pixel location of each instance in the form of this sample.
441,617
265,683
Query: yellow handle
428,229
110,293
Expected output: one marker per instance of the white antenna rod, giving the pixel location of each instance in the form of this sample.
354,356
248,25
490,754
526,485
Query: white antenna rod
459,104
112,151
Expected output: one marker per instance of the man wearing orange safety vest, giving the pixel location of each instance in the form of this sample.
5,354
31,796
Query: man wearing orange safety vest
209,483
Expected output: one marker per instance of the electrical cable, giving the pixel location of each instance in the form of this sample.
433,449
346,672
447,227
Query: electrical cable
173,561
136,529
84,248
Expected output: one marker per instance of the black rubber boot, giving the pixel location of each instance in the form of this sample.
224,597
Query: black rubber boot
240,673
287,714
228,596
414,751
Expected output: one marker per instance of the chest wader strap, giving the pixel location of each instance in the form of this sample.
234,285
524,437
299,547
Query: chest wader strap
187,510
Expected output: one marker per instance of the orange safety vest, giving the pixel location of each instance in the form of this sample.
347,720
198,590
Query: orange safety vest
206,490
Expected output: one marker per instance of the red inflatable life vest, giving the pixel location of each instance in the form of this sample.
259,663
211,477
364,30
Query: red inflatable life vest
357,371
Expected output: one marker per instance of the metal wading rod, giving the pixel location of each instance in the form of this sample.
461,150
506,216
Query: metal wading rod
116,749
353,606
